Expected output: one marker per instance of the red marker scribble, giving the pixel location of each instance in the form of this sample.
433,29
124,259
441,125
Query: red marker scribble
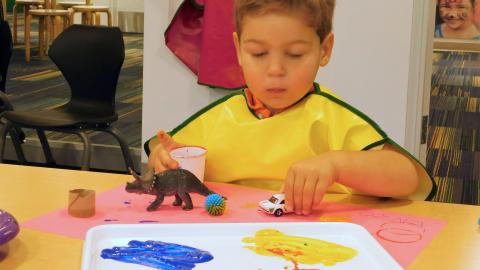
401,231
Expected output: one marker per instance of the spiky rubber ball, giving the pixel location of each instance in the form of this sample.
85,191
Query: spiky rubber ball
215,204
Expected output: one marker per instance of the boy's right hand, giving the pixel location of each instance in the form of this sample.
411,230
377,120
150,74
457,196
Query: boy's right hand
160,159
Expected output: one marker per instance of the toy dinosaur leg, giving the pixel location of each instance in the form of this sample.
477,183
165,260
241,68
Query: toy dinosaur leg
178,201
188,201
155,204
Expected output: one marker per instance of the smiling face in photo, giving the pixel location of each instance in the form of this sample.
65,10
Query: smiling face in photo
457,14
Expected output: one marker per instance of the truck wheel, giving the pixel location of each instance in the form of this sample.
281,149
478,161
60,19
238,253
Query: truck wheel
278,212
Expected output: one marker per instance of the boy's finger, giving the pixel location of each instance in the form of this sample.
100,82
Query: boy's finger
166,140
163,137
173,164
159,167
167,161
298,193
309,194
288,191
319,192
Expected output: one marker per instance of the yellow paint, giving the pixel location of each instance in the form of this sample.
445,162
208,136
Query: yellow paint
337,218
251,205
297,249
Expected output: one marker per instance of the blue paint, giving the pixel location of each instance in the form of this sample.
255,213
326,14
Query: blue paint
158,255
148,221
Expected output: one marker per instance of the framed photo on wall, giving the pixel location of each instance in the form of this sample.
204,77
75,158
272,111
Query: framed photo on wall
458,19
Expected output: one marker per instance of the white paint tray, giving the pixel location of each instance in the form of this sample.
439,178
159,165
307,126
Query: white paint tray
224,242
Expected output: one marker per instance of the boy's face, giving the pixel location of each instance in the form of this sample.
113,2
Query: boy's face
456,13
280,55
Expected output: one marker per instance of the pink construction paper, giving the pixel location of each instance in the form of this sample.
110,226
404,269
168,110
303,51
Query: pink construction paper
403,236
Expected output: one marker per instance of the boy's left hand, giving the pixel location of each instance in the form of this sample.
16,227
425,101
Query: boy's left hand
307,182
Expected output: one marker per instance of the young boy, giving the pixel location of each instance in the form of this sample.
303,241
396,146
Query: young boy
457,17
286,130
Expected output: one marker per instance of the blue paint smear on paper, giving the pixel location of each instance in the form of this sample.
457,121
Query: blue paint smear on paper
158,255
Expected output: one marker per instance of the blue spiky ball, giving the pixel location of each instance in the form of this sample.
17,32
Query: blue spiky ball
215,204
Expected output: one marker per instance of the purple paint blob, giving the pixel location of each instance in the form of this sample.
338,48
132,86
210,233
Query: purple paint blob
158,255
110,220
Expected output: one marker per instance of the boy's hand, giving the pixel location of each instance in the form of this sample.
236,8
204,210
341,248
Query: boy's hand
159,158
307,182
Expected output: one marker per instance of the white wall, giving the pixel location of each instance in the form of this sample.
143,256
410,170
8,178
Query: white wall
170,92
369,68
370,63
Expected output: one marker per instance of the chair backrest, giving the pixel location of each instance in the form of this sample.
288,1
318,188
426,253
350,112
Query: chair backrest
90,59
6,47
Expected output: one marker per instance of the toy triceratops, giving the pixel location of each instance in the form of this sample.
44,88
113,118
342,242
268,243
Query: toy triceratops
178,182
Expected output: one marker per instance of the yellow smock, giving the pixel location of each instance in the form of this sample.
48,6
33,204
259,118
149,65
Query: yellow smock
246,150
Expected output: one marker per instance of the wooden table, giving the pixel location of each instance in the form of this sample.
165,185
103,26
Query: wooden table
27,192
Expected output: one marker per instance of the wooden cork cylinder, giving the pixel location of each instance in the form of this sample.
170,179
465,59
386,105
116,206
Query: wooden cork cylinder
81,203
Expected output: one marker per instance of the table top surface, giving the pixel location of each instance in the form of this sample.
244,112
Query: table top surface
28,192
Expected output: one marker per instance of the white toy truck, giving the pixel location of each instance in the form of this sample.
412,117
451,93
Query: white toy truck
274,206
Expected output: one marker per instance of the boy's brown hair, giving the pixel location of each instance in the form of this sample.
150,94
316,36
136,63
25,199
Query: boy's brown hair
317,13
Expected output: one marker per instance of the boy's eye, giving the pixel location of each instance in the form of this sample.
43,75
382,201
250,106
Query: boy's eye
259,54
295,55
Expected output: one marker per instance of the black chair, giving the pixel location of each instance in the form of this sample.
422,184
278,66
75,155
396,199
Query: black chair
90,59
6,48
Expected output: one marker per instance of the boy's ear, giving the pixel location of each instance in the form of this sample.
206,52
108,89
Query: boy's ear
236,42
327,48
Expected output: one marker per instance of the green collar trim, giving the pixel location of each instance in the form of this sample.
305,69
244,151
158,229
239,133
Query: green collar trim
385,139
202,111
349,107
434,185
317,91
221,87
393,143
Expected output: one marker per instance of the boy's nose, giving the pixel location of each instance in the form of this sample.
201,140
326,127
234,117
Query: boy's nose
276,68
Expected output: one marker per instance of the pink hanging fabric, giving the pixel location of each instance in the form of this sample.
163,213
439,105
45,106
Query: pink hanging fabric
200,35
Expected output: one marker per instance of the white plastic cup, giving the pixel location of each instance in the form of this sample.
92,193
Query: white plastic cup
191,158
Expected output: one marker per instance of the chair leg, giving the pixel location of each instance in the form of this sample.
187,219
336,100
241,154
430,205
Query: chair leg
86,150
46,147
15,24
3,137
109,15
15,134
7,128
27,37
97,18
71,17
41,36
123,146
51,33
65,22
